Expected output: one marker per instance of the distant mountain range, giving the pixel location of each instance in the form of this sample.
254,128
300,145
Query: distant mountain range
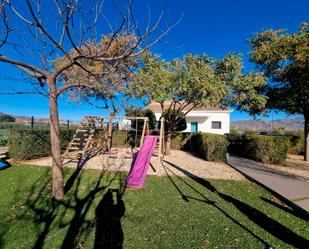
256,125
262,125
27,119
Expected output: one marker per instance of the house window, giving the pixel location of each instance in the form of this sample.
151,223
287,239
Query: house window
216,125
194,127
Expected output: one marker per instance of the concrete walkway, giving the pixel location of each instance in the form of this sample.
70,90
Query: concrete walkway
287,186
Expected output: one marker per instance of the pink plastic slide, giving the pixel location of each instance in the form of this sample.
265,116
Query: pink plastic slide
138,173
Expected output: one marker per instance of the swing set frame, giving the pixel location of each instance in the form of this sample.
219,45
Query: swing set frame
100,120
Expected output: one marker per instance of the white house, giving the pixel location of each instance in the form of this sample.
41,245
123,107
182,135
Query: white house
204,119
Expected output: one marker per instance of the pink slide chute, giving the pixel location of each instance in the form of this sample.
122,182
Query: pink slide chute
138,173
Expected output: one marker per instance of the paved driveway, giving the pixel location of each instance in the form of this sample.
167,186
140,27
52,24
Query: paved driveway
288,186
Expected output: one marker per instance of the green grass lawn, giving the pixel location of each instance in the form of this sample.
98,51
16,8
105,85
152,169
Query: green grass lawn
170,212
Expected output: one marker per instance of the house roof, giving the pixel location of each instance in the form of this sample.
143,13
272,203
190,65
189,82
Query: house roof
156,107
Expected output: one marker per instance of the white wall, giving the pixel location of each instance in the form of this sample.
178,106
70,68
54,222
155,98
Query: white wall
204,120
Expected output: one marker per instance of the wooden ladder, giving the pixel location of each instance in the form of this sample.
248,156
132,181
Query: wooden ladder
80,142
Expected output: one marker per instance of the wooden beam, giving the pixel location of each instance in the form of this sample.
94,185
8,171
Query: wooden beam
143,134
161,138
116,118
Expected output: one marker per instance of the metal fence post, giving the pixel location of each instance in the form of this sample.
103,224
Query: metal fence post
32,122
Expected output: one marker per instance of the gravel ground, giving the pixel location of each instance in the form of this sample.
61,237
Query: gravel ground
295,165
179,163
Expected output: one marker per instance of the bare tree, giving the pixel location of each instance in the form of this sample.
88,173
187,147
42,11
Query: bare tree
109,82
35,33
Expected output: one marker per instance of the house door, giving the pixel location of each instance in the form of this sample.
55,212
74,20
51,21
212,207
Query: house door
194,127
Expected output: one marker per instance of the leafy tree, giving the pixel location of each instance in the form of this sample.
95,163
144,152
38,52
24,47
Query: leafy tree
152,118
67,29
170,116
6,118
134,111
196,81
284,58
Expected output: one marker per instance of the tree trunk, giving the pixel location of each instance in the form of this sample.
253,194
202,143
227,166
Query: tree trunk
110,132
306,131
168,143
57,181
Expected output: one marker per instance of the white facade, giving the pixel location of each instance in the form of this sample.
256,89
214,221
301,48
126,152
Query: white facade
210,121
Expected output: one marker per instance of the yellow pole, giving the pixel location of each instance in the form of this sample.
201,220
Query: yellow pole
161,138
143,134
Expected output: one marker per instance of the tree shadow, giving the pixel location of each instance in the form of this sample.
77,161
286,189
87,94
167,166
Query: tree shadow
285,209
80,165
71,219
259,218
207,200
268,224
79,227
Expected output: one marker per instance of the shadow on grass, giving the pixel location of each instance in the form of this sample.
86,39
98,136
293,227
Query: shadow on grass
285,209
80,165
90,206
259,218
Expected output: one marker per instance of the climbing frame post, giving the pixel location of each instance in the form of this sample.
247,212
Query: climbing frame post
161,138
143,133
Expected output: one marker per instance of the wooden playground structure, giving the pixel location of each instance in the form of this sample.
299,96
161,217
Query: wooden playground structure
84,137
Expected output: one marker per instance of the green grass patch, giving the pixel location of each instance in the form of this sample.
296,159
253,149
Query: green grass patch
170,212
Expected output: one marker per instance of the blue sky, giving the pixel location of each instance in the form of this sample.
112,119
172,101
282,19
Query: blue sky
212,27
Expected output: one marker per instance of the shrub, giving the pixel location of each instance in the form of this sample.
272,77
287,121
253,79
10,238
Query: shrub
8,125
6,118
262,148
27,144
237,144
3,137
296,144
268,149
179,139
211,147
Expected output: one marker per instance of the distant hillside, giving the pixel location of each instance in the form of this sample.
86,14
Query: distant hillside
261,125
27,119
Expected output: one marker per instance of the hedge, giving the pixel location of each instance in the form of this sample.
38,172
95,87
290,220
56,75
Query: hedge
262,148
211,147
27,144
296,144
3,137
268,149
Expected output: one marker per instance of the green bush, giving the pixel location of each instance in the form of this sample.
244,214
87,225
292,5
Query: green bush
3,137
25,144
9,125
268,149
211,147
179,139
6,118
296,144
262,148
